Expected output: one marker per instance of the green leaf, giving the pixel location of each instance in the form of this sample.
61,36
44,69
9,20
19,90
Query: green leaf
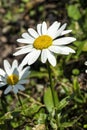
48,100
74,12
70,123
63,103
82,46
42,118
31,110
53,124
85,126
85,46
76,86
56,98
25,1
38,74
75,71
67,124
7,116
28,128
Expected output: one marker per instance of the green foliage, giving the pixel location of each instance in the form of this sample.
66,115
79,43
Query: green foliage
62,104
74,12
25,1
48,100
75,72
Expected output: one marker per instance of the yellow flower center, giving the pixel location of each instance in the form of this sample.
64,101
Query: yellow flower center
12,79
42,42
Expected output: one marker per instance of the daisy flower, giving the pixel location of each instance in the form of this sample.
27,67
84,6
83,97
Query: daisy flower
86,65
44,42
13,77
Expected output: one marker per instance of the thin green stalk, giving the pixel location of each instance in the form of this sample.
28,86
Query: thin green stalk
51,83
19,99
3,103
52,90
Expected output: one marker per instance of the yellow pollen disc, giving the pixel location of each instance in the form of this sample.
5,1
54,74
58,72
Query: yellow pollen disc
12,79
42,42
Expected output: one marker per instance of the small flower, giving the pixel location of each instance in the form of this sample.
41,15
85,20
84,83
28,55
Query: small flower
13,76
45,42
86,65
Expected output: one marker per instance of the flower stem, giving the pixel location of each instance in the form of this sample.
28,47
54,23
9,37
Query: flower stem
52,90
19,99
51,83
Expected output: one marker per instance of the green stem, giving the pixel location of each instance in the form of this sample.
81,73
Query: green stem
51,83
3,103
19,99
52,90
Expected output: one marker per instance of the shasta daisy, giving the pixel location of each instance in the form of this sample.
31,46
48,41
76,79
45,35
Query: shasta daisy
45,42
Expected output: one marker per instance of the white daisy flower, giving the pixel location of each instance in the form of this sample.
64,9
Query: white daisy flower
45,42
13,76
86,65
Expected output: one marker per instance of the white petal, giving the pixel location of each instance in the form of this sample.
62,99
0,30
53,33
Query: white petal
31,57
2,72
7,67
2,84
20,87
55,49
25,81
51,58
54,26
24,73
3,78
22,47
85,62
15,71
23,50
25,60
65,32
0,78
44,28
44,55
22,40
53,29
64,41
14,64
21,70
8,89
7,63
61,49
33,33
60,30
27,36
66,50
15,89
39,27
